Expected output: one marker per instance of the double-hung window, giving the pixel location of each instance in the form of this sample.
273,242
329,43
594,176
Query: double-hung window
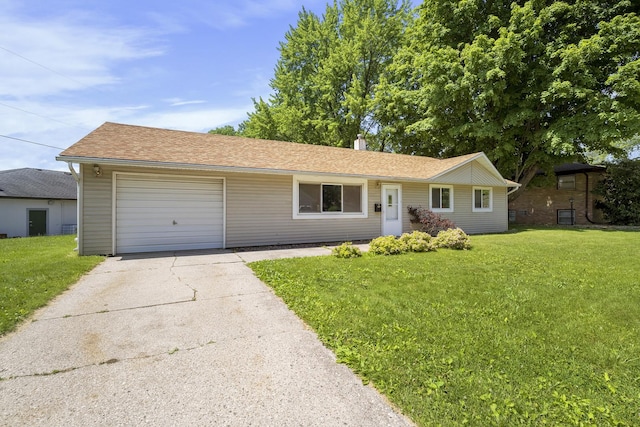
482,199
320,198
441,198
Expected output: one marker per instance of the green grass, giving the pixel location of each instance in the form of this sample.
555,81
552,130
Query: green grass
34,270
537,327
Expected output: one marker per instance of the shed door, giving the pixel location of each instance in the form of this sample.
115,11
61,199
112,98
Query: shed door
37,222
155,213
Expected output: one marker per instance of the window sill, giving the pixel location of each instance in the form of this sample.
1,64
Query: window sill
330,215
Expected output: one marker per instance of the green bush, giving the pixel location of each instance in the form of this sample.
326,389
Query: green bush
453,238
387,245
346,250
418,241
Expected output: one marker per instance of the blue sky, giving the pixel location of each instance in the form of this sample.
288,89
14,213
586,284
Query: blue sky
67,66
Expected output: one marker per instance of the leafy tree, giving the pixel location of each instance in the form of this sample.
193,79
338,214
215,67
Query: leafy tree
225,130
530,83
626,149
620,191
326,76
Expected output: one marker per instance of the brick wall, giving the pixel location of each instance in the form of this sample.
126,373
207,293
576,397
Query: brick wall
539,205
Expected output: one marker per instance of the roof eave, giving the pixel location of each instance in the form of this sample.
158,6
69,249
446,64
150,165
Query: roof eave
221,168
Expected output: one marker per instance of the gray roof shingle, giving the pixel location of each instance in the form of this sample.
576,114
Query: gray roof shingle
37,184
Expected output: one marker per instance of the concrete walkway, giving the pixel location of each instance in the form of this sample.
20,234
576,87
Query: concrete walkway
187,338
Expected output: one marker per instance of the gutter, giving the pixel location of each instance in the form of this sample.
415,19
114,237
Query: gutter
73,171
515,188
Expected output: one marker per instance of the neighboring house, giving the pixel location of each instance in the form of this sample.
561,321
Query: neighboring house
144,189
565,198
36,202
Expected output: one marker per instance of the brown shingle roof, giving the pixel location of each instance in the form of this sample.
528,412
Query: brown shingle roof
119,143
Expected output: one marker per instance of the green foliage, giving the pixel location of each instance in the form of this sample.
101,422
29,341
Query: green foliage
34,270
346,250
536,327
224,130
453,238
328,69
387,245
620,192
417,241
530,83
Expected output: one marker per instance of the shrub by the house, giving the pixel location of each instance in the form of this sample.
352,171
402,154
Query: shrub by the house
453,238
418,241
387,245
430,222
346,250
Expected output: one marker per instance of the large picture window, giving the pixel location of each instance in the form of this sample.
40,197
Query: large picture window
329,199
482,199
441,198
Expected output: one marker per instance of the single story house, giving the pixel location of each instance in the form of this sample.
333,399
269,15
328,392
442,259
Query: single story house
565,198
144,189
36,202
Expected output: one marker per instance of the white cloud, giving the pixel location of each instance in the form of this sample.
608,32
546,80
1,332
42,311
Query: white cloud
50,56
224,14
195,120
178,102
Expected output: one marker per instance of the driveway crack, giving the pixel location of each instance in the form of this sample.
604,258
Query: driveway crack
173,264
111,361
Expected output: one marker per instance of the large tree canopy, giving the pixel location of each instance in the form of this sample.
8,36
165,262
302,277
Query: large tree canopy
530,83
326,76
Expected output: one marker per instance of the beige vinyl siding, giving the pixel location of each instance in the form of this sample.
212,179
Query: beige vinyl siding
417,194
479,222
471,173
260,212
95,232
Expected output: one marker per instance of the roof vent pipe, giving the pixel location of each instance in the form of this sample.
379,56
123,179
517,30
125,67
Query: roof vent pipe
360,143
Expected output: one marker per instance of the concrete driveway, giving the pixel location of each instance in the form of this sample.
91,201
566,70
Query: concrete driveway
187,338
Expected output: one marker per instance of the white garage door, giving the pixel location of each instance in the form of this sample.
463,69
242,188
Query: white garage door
155,213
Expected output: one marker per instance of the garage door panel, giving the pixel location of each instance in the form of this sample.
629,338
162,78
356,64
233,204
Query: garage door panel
148,206
164,194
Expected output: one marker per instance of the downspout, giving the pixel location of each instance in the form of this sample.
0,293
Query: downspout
77,178
73,172
586,199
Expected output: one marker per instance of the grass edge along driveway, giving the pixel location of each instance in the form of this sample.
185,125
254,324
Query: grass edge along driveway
34,270
537,327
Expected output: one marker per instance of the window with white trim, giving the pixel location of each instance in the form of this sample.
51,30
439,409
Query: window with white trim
482,199
441,198
313,197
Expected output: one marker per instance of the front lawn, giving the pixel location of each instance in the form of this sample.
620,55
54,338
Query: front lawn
34,270
537,327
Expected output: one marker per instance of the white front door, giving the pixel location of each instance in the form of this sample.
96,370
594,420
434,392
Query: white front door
391,209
